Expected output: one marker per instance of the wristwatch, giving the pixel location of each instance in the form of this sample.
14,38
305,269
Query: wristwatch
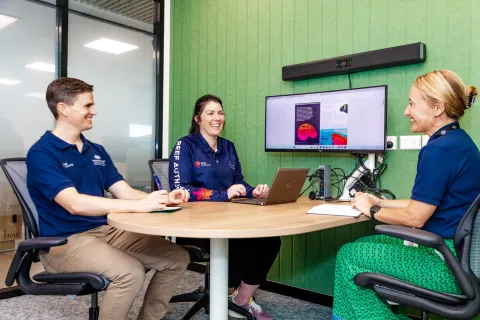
374,209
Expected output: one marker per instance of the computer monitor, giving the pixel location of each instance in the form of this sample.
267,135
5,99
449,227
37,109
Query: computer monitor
351,120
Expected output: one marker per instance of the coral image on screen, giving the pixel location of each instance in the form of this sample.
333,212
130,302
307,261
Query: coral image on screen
307,123
305,131
334,125
333,137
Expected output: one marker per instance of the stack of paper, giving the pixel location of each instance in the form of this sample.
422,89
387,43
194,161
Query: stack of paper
335,210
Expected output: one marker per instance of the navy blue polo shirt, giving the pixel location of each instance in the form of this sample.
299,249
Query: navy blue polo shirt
205,173
448,177
54,165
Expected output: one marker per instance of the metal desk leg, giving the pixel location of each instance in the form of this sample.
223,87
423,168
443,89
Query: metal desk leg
218,279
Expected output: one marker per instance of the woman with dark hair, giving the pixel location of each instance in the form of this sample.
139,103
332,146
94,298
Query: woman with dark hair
207,165
446,184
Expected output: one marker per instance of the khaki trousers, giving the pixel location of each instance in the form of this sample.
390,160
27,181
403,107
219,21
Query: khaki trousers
122,257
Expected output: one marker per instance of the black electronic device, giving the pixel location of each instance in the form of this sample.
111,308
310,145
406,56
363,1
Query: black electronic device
376,59
325,184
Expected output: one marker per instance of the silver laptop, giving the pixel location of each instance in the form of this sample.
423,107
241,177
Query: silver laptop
285,188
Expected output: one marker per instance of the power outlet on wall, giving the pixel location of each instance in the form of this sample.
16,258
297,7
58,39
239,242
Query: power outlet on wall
410,142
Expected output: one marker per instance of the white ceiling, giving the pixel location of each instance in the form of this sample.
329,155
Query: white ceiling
139,10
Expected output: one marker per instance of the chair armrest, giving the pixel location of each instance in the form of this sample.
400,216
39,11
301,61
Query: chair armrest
25,247
432,240
97,281
369,279
422,237
41,243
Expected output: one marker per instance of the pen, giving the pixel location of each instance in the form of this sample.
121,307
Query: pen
157,182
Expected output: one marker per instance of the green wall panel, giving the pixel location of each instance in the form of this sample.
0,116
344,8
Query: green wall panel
236,49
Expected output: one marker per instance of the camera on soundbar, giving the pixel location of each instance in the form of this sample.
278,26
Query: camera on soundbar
343,63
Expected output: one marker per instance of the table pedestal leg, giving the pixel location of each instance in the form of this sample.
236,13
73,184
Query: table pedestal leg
218,279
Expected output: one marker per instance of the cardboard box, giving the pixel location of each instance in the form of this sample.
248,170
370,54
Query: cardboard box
7,245
11,229
11,222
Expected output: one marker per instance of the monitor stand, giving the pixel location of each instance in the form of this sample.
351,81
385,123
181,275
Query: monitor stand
359,172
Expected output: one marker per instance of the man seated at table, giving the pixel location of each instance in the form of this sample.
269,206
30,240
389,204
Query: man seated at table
67,176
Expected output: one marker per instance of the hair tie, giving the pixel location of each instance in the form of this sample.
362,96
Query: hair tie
470,100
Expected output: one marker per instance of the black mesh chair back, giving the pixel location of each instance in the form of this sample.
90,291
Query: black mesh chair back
160,167
16,172
475,246
71,284
467,240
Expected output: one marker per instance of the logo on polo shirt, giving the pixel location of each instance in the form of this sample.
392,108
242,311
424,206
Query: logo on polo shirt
97,160
67,165
199,164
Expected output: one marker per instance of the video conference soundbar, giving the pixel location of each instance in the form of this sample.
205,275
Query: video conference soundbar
383,58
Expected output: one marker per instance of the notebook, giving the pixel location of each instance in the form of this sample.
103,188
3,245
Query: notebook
167,210
335,210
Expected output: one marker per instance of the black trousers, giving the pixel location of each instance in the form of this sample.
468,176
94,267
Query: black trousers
249,260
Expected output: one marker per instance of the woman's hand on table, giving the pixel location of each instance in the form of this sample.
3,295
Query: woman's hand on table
373,199
236,190
260,191
362,202
177,197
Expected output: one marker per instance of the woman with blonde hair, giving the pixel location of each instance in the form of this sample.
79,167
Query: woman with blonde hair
446,184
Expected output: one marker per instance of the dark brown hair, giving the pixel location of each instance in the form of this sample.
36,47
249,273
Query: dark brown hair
199,106
65,90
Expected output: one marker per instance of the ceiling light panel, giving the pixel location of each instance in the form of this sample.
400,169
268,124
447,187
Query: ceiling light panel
110,46
6,20
9,82
41,66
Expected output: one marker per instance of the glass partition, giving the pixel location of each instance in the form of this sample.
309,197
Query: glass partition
27,55
119,64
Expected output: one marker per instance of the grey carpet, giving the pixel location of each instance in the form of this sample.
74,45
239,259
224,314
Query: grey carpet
59,308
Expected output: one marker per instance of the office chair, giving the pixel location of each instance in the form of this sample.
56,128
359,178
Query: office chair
159,167
62,284
466,271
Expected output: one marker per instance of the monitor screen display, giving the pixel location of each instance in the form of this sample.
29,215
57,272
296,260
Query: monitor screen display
352,120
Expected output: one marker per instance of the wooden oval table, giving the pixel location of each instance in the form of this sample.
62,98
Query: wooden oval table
220,221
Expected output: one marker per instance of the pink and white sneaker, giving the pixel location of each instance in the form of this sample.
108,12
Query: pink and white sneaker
251,307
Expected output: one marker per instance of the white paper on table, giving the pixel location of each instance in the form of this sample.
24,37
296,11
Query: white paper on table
335,210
